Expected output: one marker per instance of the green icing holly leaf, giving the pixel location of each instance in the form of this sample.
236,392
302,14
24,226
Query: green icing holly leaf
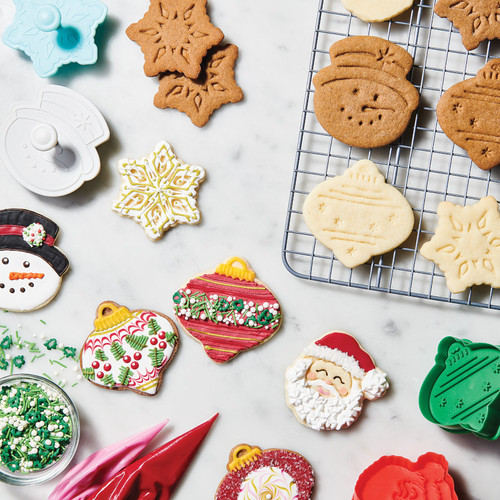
88,373
171,338
69,352
109,380
117,350
153,326
462,391
156,356
100,355
137,342
50,344
125,374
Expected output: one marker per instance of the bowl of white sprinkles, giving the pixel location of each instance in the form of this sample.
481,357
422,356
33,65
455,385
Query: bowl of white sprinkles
39,429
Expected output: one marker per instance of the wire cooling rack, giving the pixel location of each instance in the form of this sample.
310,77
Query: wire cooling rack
424,164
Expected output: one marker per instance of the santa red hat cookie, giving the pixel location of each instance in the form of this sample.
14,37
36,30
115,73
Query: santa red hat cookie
326,386
31,267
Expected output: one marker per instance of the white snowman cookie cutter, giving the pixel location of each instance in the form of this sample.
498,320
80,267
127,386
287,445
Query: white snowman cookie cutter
49,146
31,267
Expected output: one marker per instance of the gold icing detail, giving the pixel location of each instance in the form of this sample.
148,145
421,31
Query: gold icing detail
242,455
110,315
243,272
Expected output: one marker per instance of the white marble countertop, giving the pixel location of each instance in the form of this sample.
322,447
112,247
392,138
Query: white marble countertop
248,151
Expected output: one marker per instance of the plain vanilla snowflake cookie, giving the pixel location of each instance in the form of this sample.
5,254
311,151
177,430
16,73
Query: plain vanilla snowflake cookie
326,386
466,245
159,191
374,11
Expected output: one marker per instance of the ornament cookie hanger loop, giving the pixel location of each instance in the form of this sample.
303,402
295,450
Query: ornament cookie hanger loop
240,271
242,455
109,315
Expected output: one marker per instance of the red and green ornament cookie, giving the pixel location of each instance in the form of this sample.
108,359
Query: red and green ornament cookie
128,349
228,310
256,474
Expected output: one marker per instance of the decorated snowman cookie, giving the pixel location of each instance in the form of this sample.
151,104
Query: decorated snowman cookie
128,349
31,267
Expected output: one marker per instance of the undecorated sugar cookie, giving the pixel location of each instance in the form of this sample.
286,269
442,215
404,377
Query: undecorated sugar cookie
326,386
374,11
31,267
358,215
228,310
128,349
256,474
466,245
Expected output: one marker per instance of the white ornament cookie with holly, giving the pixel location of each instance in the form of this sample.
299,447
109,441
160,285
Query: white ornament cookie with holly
128,349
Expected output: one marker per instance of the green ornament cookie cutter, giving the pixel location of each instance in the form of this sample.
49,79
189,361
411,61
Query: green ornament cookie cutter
461,393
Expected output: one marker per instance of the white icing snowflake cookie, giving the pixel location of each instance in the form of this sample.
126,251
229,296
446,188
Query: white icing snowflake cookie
374,11
159,191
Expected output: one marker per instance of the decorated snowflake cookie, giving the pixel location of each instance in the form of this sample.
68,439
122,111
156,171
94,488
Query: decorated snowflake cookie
128,349
159,191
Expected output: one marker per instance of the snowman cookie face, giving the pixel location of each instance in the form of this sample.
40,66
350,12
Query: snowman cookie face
27,281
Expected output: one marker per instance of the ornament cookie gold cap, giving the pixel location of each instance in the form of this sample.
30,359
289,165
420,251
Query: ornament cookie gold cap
236,267
110,314
241,455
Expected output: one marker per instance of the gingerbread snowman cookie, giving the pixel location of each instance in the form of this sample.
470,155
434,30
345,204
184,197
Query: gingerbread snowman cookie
128,349
363,98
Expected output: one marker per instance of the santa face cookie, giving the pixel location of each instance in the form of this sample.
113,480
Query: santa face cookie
326,386
228,310
31,267
363,98
128,349
256,474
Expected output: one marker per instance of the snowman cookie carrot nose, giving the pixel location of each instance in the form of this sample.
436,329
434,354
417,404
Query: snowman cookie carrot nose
31,267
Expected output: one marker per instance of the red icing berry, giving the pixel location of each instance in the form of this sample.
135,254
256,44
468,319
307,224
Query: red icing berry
100,374
134,365
95,364
137,355
107,367
162,345
153,341
126,358
161,335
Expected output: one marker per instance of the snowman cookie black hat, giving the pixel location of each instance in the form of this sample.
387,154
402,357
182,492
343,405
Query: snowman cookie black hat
33,233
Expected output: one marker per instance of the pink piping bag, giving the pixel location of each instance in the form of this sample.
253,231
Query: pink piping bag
83,480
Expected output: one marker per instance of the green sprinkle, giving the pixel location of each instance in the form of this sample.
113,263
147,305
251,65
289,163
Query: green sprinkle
48,376
60,364
43,322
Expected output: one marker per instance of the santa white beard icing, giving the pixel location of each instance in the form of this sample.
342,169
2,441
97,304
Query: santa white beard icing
31,268
326,386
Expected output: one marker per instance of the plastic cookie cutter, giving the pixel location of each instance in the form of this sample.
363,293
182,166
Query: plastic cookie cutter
49,145
461,392
425,479
56,32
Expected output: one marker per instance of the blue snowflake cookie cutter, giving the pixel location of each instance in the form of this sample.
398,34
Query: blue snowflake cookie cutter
56,32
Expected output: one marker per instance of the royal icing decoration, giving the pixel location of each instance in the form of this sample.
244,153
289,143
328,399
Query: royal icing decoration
228,311
397,478
326,386
461,391
31,267
256,474
466,245
159,191
128,349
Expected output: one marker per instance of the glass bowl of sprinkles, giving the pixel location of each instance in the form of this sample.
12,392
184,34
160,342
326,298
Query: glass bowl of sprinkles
39,429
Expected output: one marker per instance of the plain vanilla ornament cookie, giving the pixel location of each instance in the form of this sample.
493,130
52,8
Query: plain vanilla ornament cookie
374,11
31,267
326,386
358,215
128,349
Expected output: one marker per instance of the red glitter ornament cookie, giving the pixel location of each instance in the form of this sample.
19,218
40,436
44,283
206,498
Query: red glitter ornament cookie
128,349
266,475
228,310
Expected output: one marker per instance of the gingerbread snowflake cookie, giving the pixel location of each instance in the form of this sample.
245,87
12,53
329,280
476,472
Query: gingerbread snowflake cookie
326,386
466,245
255,474
159,191
468,114
477,20
175,35
374,11
199,98
363,98
128,349
358,215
